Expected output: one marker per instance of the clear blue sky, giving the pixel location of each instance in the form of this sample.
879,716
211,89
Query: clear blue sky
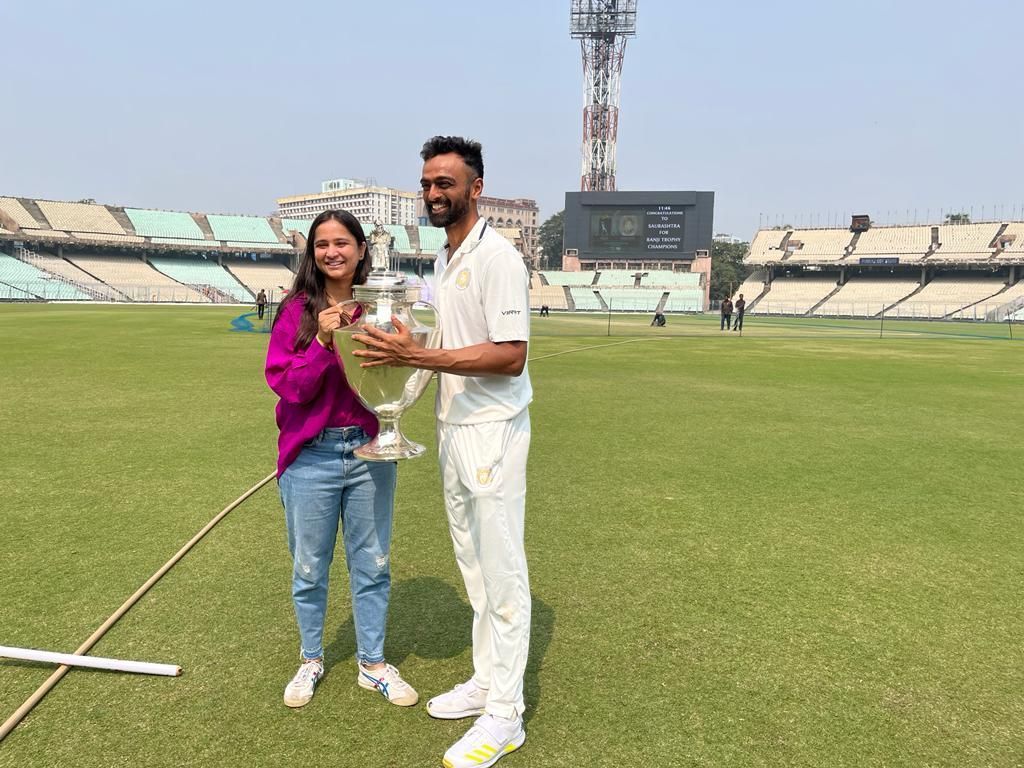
795,109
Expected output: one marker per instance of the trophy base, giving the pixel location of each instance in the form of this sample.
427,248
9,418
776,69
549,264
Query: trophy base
389,445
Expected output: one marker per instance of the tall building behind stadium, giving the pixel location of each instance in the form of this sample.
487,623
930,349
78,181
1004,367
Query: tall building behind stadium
363,199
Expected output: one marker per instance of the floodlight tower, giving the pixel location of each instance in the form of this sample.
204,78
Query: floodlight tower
602,27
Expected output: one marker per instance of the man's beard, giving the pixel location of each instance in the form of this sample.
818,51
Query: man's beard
456,210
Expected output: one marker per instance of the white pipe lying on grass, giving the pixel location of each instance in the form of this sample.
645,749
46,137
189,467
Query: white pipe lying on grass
95,662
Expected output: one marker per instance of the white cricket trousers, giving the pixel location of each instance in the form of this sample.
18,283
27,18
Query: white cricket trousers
483,469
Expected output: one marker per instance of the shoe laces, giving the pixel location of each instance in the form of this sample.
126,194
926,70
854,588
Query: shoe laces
391,676
308,672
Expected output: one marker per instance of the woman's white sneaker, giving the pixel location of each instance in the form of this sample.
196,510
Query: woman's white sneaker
490,739
300,690
464,700
389,684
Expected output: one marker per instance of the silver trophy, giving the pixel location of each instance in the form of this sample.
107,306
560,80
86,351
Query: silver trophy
387,390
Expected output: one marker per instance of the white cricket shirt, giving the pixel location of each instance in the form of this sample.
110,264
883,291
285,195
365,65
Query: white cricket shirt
482,294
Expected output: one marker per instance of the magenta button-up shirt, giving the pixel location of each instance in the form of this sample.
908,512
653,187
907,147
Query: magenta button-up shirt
312,386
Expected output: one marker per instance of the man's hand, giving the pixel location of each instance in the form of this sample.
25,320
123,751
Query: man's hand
383,348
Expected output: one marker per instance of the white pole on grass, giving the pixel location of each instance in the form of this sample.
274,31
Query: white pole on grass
93,662
19,714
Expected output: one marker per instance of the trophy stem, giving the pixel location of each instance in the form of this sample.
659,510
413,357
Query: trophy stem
389,444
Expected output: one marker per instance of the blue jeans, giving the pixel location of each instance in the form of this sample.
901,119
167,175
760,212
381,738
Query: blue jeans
325,485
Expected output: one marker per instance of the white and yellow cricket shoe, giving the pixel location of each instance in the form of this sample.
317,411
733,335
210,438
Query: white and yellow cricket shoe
490,739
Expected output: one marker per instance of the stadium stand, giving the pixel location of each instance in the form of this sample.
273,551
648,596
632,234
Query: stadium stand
569,278
752,287
685,300
767,246
632,299
965,242
995,307
946,295
552,295
1014,241
80,217
106,238
817,245
254,275
136,279
909,243
795,295
203,276
69,272
174,226
657,278
867,296
242,231
25,278
13,208
432,239
296,225
584,297
617,277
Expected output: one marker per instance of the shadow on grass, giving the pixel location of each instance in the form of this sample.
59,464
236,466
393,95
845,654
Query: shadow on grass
430,619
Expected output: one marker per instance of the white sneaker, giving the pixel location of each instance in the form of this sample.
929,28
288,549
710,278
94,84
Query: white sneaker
464,700
389,684
300,689
490,739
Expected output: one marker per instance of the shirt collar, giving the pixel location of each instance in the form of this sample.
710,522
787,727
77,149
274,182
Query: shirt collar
472,240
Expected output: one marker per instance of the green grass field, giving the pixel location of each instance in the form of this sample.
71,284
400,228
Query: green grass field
802,547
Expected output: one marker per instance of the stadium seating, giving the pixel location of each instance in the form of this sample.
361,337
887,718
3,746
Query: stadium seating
136,279
795,295
766,246
174,225
202,274
432,239
535,281
994,307
632,299
909,243
272,277
657,278
685,300
296,225
242,230
818,245
65,269
583,297
25,278
569,278
1015,249
947,295
103,237
552,295
80,217
17,212
625,277
752,287
867,296
965,242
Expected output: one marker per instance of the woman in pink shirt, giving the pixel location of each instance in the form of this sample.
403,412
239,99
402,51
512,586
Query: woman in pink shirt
322,483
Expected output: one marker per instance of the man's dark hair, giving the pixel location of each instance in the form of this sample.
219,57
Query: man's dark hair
470,151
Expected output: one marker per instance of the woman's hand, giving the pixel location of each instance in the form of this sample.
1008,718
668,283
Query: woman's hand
330,320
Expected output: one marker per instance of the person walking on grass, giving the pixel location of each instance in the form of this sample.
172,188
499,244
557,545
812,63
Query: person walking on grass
322,483
726,314
483,435
740,306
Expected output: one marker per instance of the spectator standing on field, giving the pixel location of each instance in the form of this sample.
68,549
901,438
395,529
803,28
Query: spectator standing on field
726,314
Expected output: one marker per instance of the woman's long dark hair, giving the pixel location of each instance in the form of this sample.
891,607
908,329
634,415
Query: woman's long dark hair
309,281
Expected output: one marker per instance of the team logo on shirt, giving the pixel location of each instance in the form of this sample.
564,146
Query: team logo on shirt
462,280
483,476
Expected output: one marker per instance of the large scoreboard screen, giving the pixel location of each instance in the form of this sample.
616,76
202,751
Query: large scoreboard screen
670,225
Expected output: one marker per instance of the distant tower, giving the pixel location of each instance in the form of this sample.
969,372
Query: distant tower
602,27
